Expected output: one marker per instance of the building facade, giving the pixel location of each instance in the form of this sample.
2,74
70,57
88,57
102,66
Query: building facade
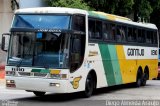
7,8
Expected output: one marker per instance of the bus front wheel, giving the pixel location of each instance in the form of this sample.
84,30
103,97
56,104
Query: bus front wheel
89,86
39,93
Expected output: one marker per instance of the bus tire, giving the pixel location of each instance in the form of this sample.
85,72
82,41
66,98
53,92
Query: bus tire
144,79
89,86
138,82
37,93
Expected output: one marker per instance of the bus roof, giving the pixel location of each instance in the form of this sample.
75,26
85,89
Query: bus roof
45,10
111,17
96,14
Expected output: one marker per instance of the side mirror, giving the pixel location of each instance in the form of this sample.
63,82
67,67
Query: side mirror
5,41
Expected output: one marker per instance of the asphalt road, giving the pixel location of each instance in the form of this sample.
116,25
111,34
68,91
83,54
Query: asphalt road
102,97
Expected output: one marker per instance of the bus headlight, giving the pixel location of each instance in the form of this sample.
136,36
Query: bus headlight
55,84
10,83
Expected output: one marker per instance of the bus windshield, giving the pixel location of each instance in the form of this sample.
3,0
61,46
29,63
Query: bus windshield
42,21
40,49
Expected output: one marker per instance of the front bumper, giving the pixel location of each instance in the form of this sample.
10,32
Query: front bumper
38,84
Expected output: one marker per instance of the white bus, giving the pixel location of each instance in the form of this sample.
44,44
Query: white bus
64,50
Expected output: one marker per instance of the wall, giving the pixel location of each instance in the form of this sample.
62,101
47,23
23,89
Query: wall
6,15
32,3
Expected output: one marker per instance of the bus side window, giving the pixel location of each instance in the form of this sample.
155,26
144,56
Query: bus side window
123,33
148,38
129,37
141,35
135,34
113,31
155,37
152,36
95,29
91,27
118,34
98,31
106,31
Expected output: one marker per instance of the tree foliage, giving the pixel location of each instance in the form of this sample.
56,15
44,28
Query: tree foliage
148,10
124,7
108,6
155,15
69,3
142,9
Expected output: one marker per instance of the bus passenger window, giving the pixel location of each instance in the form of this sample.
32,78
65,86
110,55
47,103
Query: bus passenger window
118,34
152,36
155,37
98,31
113,31
91,27
123,33
148,38
135,34
106,31
141,35
95,29
130,36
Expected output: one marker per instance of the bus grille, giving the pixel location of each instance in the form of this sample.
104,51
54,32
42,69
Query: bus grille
34,74
40,74
24,73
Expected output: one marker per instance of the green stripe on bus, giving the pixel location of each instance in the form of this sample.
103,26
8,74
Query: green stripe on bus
110,63
115,64
107,64
40,70
45,71
36,70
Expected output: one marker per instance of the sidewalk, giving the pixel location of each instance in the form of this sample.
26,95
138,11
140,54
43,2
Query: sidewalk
2,82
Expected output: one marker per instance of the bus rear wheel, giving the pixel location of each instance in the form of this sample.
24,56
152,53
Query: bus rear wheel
89,86
138,82
37,93
144,79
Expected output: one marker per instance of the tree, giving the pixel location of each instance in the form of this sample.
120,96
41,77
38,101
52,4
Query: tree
69,3
135,8
108,6
142,9
124,7
155,15
119,7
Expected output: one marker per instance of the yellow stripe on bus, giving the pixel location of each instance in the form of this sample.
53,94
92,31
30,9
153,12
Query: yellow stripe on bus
129,67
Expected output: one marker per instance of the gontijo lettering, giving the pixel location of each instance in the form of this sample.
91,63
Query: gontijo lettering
135,52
